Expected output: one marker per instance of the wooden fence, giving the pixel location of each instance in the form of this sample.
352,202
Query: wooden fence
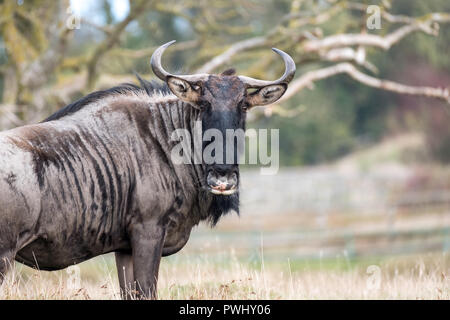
325,213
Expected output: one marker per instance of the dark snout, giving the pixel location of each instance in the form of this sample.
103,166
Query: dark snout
222,179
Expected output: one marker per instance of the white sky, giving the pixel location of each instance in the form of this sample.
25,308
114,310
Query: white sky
83,8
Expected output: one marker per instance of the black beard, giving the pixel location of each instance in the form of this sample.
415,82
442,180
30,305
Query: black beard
219,205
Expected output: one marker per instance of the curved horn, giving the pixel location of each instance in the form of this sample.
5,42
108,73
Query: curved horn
285,78
159,71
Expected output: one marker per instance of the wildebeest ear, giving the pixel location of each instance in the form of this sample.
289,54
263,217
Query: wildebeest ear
183,89
266,95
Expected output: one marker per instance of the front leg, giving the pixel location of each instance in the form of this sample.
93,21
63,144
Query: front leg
124,263
147,243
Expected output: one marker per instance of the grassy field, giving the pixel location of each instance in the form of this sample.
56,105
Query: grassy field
278,257
399,253
227,277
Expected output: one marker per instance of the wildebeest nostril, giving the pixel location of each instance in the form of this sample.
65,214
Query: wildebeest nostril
225,181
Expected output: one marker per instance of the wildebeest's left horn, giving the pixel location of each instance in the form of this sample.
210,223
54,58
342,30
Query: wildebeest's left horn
285,78
159,71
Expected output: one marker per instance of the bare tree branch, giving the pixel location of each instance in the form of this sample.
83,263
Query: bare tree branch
38,72
349,54
313,18
310,77
342,40
8,118
436,17
223,58
111,40
105,29
146,52
439,93
253,43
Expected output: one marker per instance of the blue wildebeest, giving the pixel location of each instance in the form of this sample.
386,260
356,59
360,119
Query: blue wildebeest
97,176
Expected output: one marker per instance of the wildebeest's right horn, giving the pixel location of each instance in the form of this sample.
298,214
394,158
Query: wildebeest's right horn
159,71
285,78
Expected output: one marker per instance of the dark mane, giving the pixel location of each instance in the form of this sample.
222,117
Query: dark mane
150,87
229,72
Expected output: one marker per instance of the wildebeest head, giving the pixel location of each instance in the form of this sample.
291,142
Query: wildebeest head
223,100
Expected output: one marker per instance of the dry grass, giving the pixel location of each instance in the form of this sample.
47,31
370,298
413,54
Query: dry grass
184,277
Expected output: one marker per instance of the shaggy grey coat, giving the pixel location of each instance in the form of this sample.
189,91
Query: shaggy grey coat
97,177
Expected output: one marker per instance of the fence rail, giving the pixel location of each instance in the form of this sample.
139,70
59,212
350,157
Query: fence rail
321,212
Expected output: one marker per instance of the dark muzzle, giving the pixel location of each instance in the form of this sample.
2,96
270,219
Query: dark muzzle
222,180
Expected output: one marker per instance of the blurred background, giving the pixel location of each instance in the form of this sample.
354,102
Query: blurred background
364,134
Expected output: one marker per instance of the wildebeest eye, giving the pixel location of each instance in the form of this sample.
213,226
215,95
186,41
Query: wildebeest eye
205,105
244,105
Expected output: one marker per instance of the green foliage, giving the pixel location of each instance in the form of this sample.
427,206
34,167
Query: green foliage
342,115
339,114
